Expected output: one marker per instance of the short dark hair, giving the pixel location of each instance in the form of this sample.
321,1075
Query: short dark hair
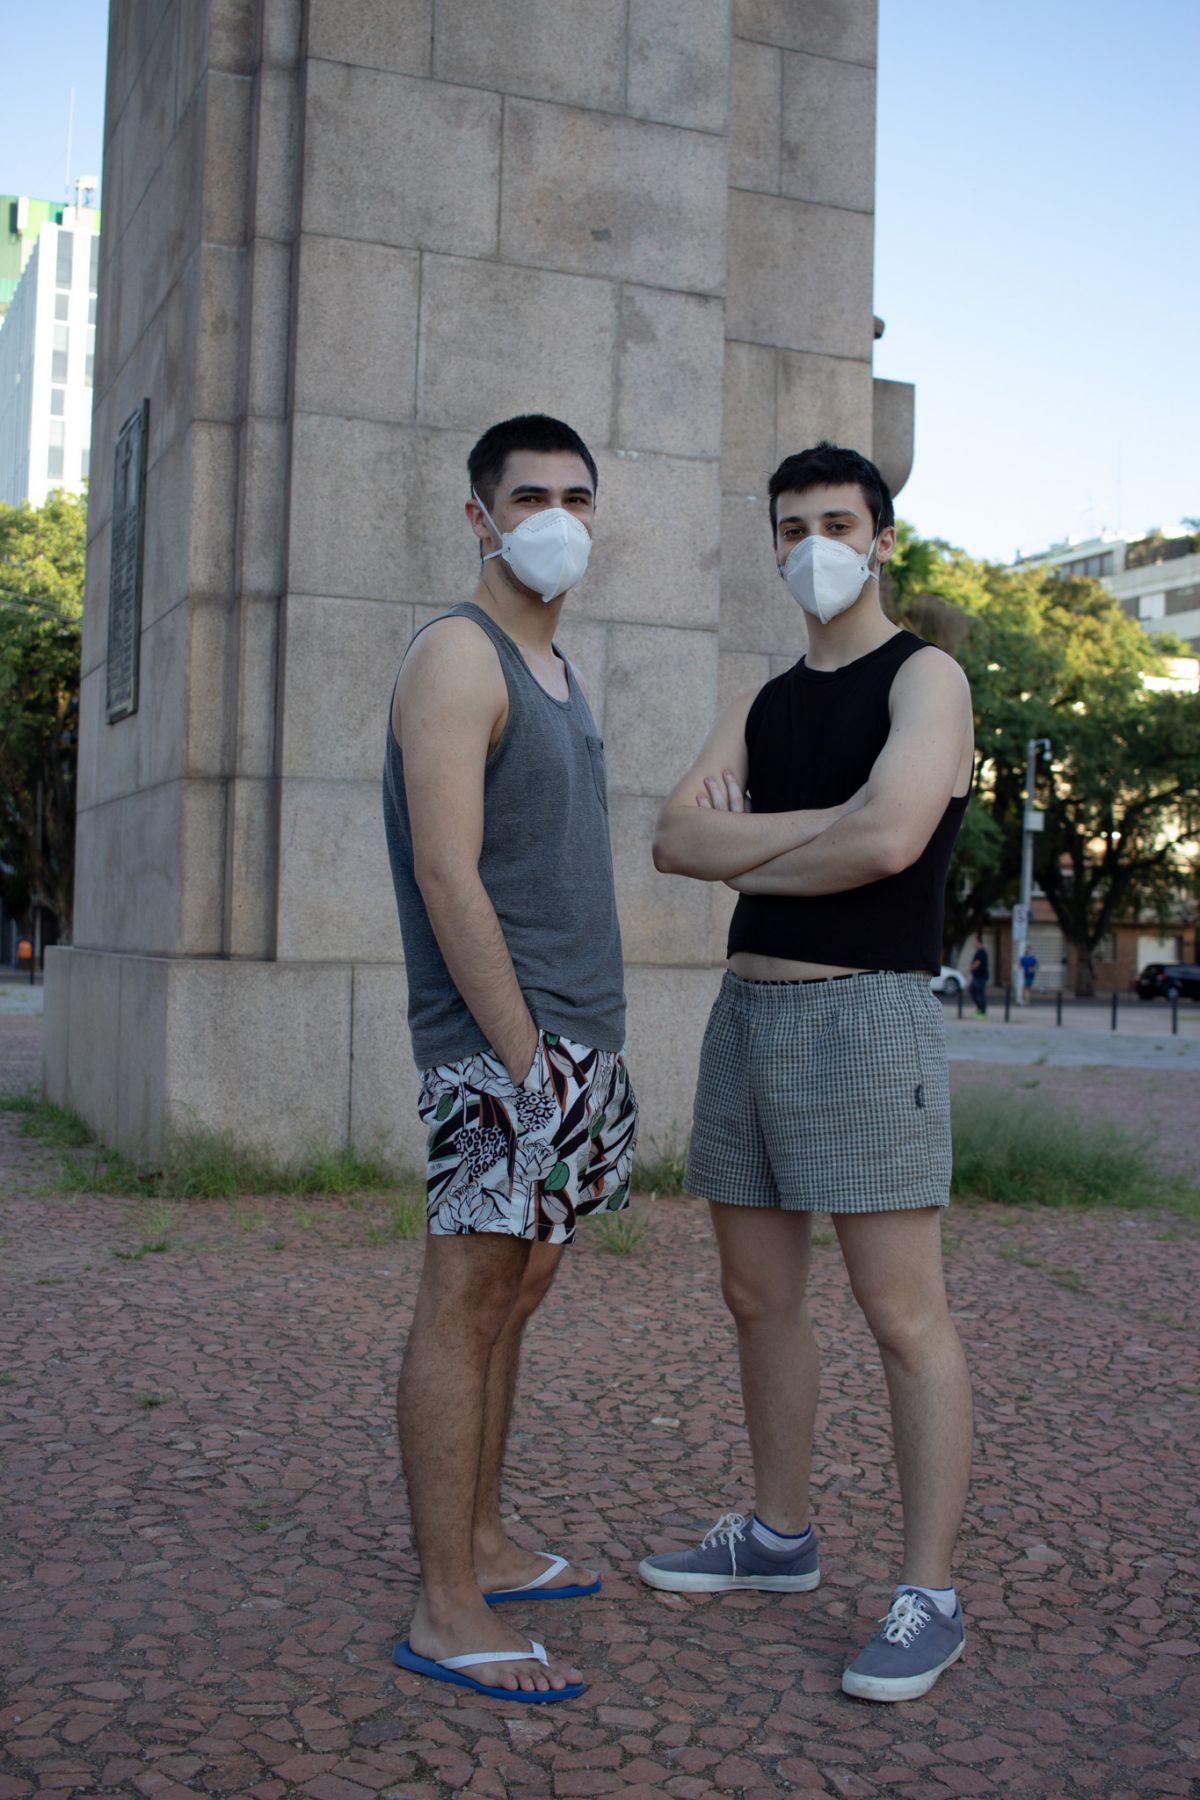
825,465
529,431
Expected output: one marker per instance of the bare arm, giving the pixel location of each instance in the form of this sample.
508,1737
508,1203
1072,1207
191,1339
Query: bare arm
926,756
705,830
450,699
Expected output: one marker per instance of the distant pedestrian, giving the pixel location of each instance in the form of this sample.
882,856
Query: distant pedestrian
1028,970
980,976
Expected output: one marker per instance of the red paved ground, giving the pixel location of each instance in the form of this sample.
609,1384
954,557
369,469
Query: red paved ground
200,1597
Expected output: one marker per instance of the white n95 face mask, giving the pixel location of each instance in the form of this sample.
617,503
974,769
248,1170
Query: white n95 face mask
547,552
826,576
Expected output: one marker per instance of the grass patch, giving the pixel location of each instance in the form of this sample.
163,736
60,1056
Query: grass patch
404,1218
341,1172
7,1378
1065,1277
203,1166
619,1233
1059,1273
1031,1154
148,1401
661,1172
43,1120
102,1171
158,1225
18,1100
259,1515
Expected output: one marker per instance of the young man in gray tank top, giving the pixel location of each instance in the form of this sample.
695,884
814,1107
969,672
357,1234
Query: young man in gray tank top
496,813
829,802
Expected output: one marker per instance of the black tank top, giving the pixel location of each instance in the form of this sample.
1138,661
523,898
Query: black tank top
813,736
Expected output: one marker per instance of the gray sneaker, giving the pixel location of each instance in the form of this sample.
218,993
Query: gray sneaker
903,1661
728,1557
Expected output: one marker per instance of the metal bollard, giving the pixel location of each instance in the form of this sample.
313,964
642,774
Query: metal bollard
1114,1010
1175,1017
960,999
1058,1007
1007,1003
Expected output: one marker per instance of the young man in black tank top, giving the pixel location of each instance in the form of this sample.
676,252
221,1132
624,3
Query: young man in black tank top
829,802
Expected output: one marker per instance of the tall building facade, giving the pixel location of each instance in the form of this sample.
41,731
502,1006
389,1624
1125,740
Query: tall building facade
21,219
1156,577
341,240
47,362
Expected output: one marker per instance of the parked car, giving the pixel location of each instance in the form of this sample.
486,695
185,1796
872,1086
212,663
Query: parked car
1169,981
948,981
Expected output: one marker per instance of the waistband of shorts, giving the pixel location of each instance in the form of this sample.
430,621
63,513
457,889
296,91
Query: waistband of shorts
809,991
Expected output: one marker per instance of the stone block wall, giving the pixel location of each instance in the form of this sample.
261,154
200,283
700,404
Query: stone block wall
340,240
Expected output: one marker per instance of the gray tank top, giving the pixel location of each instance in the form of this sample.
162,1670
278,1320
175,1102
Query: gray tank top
546,863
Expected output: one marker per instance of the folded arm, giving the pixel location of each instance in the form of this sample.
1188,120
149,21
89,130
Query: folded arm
926,756
450,699
707,830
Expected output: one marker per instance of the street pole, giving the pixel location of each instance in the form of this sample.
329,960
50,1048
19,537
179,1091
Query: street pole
1032,824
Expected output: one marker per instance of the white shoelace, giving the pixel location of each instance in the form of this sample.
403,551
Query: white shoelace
730,1529
907,1615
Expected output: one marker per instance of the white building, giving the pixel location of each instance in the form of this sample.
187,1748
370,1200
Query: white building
47,351
1156,578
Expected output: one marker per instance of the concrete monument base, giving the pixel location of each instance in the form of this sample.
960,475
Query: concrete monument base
284,1058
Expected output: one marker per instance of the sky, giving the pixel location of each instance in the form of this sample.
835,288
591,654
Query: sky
49,48
1037,259
1037,264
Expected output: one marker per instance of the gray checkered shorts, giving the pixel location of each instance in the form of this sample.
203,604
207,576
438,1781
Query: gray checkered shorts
823,1096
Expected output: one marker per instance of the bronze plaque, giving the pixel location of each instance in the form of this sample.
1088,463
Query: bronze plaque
125,579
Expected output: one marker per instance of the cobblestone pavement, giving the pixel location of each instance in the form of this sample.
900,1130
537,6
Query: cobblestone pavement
204,1556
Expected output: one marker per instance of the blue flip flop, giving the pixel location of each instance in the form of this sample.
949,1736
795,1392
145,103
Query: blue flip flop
405,1657
537,1589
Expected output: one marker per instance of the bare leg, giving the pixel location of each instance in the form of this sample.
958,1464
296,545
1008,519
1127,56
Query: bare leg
894,1261
764,1268
499,1563
468,1288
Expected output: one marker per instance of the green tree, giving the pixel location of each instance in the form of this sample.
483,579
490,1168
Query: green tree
1059,658
41,609
1122,814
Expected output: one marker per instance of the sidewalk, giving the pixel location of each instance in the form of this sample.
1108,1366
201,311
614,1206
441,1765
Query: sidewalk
1142,1040
1037,1039
18,998
1145,1018
204,1553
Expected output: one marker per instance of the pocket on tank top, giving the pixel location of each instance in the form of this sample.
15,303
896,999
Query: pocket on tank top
599,772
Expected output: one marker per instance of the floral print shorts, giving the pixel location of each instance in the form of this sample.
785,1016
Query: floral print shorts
529,1159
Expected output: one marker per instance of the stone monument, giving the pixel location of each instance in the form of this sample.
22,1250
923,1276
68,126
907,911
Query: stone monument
342,237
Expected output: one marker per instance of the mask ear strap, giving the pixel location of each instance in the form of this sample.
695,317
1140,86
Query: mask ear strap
495,529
